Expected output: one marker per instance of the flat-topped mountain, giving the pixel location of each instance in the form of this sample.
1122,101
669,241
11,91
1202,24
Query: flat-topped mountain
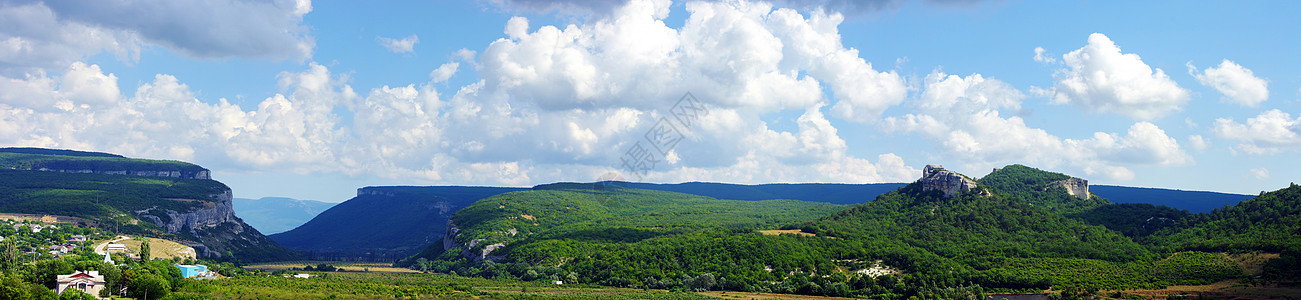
110,192
71,161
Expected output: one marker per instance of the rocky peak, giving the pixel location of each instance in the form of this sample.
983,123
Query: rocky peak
1077,187
935,177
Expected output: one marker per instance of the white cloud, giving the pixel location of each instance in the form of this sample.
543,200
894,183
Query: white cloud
404,45
1270,132
1099,78
53,34
1239,85
444,72
1198,142
960,116
1040,57
552,103
1260,173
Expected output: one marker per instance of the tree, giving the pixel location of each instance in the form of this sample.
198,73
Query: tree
72,294
9,254
149,286
703,282
144,249
13,287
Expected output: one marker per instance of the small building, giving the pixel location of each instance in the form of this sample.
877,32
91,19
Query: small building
77,238
89,282
57,249
115,247
196,271
557,282
301,275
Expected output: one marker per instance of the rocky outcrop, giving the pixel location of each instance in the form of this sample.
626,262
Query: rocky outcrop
449,243
936,178
1077,187
209,215
201,174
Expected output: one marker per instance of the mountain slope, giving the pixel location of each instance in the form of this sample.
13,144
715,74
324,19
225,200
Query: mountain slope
174,200
385,221
272,215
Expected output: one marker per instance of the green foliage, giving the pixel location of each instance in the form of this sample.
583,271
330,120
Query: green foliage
1037,188
72,294
616,216
1135,220
1270,222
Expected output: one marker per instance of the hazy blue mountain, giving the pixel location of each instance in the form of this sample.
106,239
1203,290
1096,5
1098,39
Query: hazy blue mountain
384,222
272,215
1193,201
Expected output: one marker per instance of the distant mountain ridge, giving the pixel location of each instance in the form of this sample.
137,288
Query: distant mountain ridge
1193,201
272,215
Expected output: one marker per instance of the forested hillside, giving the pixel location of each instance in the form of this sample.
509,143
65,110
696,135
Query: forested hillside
1017,231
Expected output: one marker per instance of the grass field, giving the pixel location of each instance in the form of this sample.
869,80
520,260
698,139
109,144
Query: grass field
160,248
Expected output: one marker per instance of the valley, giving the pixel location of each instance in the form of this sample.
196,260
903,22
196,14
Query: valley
946,235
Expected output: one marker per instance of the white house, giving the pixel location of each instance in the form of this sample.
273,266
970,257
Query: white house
115,247
89,282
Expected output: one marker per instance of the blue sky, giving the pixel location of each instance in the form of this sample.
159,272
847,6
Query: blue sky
313,100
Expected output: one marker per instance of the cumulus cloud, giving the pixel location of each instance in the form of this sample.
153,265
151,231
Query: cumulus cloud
961,117
552,103
1099,78
1270,132
1239,85
53,34
404,45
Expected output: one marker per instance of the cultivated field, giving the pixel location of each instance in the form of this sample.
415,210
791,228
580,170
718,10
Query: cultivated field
346,266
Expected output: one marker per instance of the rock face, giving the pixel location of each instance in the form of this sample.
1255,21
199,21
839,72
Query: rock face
935,177
217,230
449,242
1077,187
201,174
212,214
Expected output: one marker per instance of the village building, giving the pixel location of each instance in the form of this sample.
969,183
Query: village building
89,282
77,238
115,247
196,271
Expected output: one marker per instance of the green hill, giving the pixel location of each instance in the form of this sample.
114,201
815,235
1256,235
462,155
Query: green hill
180,208
1017,229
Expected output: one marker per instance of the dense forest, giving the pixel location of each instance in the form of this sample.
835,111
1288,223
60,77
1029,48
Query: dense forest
1018,232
